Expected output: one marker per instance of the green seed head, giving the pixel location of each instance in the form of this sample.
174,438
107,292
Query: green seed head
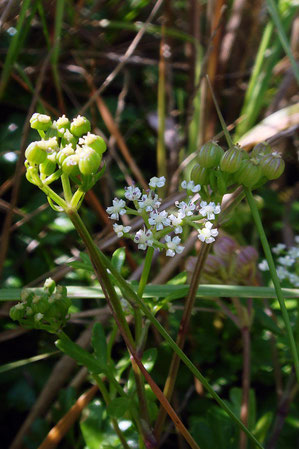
95,142
261,149
70,165
79,126
249,173
272,165
41,122
200,175
89,161
231,160
35,154
64,153
62,124
209,155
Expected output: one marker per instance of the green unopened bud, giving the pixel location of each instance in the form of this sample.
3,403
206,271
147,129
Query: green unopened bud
272,165
17,312
249,173
34,154
79,126
89,161
231,160
48,167
69,139
200,175
49,145
64,153
261,149
62,124
40,122
95,142
210,154
70,165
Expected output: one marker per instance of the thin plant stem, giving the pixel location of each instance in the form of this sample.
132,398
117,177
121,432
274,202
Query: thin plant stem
67,191
275,280
107,400
181,337
161,151
245,331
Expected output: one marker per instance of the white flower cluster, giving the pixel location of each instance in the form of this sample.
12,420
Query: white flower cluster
287,262
158,225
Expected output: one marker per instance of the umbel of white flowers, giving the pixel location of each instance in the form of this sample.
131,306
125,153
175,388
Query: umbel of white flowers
159,224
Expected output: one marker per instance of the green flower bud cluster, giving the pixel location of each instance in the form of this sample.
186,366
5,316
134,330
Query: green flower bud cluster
66,148
47,310
222,172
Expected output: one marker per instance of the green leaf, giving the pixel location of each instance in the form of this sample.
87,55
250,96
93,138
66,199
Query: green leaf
118,407
149,358
118,258
262,426
82,357
99,344
90,424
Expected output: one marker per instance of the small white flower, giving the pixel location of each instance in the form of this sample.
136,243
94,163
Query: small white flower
117,209
173,246
186,210
149,202
207,234
294,279
209,210
143,238
19,306
157,182
286,261
278,248
120,229
132,193
191,186
38,317
176,222
263,265
282,273
293,252
159,219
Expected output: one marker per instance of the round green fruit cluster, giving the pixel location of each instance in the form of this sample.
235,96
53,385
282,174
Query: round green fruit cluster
66,145
224,171
46,310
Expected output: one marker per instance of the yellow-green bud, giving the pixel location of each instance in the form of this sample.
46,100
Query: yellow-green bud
89,161
70,165
47,167
210,154
272,165
95,142
62,124
49,145
17,312
41,122
79,126
231,160
64,153
261,149
69,139
34,154
200,175
49,285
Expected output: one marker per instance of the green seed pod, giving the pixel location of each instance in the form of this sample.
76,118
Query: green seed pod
89,161
79,126
210,154
41,122
249,173
221,183
200,175
231,160
70,165
272,165
69,139
64,153
34,154
47,167
95,142
261,149
62,124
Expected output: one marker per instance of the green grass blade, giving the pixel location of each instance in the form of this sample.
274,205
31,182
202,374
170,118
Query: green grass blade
24,362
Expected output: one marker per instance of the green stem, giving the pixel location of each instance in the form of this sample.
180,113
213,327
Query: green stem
67,191
50,193
114,303
107,400
76,198
141,287
129,293
275,280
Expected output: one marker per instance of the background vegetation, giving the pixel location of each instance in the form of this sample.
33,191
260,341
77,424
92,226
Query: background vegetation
137,70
